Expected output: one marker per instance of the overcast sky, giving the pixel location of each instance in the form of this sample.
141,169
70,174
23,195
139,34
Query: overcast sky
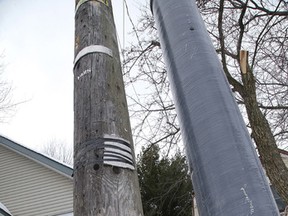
37,39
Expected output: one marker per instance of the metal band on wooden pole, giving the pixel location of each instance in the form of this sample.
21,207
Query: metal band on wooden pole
93,49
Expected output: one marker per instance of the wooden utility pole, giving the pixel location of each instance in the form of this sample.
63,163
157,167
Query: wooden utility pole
105,178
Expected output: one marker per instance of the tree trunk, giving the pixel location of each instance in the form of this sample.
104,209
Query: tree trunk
264,139
105,179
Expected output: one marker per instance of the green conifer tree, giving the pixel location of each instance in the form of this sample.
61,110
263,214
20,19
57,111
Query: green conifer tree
165,185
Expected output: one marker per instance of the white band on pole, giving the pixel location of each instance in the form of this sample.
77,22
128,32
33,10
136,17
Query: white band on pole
79,4
93,49
83,1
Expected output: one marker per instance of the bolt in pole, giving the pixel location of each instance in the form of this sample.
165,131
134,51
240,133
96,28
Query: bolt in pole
227,176
105,179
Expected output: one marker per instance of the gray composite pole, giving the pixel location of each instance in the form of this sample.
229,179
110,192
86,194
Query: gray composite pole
227,176
105,178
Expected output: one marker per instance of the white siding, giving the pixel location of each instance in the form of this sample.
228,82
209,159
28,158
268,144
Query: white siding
30,189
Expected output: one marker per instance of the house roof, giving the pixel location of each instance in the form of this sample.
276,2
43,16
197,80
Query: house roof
4,210
42,159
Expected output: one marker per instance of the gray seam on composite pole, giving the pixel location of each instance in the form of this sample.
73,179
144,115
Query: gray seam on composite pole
227,175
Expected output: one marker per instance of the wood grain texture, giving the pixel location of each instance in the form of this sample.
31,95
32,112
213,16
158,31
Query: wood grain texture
243,61
100,108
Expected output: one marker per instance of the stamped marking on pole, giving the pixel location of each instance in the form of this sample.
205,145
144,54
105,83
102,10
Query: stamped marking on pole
84,73
248,200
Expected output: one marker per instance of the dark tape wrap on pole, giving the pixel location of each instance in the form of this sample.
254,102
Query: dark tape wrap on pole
113,151
227,175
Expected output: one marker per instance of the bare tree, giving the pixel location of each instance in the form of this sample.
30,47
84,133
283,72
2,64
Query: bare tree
7,106
151,105
259,26
58,150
